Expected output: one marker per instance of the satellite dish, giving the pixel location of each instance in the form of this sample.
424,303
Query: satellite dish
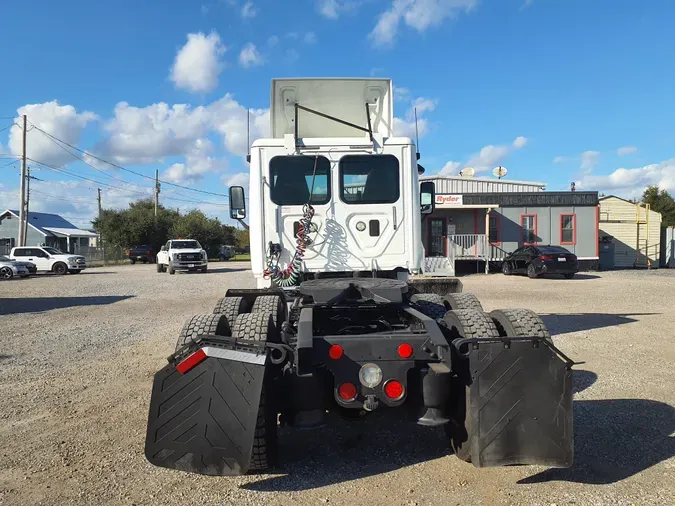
467,172
499,172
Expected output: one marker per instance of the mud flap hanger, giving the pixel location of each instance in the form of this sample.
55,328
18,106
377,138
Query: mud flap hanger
238,350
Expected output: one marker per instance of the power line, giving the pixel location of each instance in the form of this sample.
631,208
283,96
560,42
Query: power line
129,170
9,126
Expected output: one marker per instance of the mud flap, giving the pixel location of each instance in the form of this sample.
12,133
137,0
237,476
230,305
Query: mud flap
520,403
204,421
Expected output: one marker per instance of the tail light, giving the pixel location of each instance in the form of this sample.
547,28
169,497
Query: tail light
347,392
546,257
405,350
394,390
335,352
191,361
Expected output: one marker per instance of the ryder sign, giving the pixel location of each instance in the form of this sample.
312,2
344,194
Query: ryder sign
448,200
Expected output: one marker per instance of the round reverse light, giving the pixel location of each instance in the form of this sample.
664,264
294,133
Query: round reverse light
360,226
370,375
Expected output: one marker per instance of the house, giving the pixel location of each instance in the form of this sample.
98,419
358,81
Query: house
43,229
480,220
630,234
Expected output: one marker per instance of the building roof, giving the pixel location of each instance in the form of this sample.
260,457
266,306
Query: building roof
51,225
458,184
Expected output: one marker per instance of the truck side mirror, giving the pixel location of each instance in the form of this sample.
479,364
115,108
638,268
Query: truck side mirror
427,197
163,248
237,203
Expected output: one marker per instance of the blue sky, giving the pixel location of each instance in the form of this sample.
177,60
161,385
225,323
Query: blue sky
555,91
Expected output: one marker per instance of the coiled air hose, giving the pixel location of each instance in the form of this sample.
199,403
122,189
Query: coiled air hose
289,275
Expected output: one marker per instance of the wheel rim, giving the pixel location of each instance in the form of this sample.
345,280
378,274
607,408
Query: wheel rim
505,268
60,269
6,273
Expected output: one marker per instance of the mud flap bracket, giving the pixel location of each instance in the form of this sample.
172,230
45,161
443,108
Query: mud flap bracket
204,421
520,402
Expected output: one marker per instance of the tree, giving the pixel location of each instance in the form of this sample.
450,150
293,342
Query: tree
196,225
662,202
137,225
243,240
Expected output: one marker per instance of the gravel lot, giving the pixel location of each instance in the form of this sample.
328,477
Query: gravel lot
77,356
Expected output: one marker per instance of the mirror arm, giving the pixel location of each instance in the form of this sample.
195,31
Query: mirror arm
242,223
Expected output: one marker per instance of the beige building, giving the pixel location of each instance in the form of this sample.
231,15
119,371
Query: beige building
630,234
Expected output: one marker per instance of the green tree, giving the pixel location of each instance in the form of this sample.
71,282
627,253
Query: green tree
136,225
196,225
662,202
243,240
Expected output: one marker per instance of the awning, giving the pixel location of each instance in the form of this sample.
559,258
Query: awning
70,232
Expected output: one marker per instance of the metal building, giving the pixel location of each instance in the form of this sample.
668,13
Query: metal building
480,220
630,234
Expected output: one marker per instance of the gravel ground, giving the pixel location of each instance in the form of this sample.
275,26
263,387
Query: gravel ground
77,356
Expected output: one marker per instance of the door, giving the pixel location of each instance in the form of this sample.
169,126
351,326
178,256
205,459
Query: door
437,238
38,257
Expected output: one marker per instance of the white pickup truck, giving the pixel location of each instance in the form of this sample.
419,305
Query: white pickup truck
48,259
182,255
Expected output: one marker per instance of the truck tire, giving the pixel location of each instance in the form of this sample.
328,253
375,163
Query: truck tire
200,325
230,308
60,268
457,301
465,323
272,304
429,304
520,323
171,269
159,267
260,327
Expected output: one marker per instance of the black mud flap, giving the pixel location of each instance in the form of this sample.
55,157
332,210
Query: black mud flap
520,403
204,421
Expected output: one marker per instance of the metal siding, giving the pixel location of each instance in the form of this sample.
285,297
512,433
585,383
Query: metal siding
510,228
471,185
543,223
587,233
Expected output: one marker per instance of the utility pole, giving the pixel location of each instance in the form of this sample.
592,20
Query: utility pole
99,217
99,203
156,191
25,223
23,219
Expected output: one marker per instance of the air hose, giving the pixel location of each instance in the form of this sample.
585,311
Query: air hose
289,275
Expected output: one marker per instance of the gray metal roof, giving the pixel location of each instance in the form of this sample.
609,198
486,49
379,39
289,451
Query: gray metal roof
42,222
457,185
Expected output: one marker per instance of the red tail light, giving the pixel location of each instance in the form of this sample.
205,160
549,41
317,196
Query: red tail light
347,392
405,350
394,390
546,257
335,352
190,361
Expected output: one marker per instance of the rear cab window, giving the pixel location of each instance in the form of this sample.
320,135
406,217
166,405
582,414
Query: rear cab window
293,179
369,179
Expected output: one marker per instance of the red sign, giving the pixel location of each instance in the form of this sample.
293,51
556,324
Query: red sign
449,200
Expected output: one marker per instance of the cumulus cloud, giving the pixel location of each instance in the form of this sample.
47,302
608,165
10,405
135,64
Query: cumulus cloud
450,169
62,121
249,10
626,150
416,14
333,9
487,158
629,182
198,163
589,160
401,93
405,127
198,63
250,56
520,142
560,159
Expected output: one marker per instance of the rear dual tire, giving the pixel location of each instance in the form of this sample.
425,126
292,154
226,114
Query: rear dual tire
435,306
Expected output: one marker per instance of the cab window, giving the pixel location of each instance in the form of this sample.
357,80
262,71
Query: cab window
293,179
369,179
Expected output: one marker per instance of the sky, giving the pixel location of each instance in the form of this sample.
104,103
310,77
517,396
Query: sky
555,91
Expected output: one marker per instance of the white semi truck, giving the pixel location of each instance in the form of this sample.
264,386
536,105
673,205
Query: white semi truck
342,319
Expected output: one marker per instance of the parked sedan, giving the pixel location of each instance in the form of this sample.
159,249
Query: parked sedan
10,268
537,260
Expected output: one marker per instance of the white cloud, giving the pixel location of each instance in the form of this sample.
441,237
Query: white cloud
487,158
205,9
198,63
520,142
249,10
293,35
239,179
626,150
589,159
450,169
62,121
197,164
629,182
273,41
250,56
401,93
310,38
417,14
291,56
147,135
333,9
560,159
405,127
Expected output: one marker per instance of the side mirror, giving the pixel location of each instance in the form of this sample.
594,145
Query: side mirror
237,203
427,197
163,248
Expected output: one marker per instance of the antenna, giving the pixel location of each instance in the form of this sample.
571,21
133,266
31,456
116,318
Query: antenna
248,135
417,136
499,172
467,172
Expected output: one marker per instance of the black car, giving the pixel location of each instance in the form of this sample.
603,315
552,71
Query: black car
538,260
